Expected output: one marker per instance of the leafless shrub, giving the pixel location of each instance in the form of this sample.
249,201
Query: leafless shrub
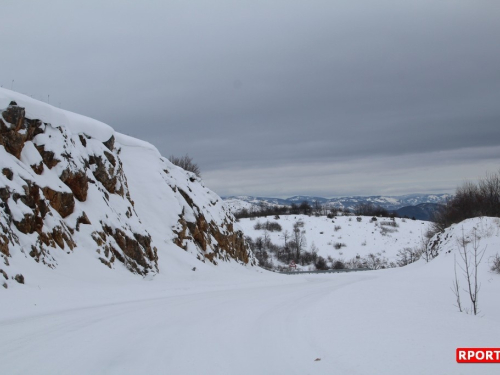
269,226
384,230
390,224
186,162
408,255
471,258
298,224
338,265
495,263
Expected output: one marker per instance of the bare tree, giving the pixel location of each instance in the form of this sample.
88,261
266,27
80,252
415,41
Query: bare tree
298,240
186,162
471,259
305,208
456,287
286,236
317,208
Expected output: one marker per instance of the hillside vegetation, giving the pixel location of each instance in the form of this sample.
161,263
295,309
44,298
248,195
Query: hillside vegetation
321,243
471,200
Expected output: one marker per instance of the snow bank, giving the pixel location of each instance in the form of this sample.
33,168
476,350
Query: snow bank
47,113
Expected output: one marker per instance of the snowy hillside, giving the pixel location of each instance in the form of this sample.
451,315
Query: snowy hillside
72,185
344,237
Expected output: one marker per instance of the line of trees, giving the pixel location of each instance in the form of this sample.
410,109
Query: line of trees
471,200
316,208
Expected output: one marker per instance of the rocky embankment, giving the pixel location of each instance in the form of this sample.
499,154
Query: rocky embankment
64,188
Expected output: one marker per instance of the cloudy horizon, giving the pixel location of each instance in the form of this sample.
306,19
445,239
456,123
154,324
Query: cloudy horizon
277,98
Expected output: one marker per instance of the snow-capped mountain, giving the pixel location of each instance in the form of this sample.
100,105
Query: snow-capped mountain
388,202
72,185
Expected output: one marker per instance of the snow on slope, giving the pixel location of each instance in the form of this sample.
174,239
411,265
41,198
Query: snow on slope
240,321
360,238
71,185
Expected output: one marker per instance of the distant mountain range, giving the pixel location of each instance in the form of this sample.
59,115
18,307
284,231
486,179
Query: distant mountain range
425,203
422,211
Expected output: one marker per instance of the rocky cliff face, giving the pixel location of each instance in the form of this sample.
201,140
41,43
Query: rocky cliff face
64,188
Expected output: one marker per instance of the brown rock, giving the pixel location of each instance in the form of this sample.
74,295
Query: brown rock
13,143
4,193
77,182
32,195
42,208
4,244
34,127
110,158
99,238
138,249
82,219
48,157
57,235
69,240
105,262
7,172
198,231
19,278
110,143
37,168
62,202
83,140
10,137
27,225
44,238
14,115
101,173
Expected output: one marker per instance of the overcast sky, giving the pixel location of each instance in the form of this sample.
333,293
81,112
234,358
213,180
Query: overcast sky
277,98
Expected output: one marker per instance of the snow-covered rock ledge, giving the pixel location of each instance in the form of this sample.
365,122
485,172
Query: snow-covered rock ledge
71,184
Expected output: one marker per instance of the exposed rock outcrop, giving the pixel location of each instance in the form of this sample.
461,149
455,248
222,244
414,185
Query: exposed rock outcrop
43,202
64,187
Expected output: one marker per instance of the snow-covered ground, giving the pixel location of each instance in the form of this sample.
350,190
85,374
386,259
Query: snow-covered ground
359,237
235,205
230,319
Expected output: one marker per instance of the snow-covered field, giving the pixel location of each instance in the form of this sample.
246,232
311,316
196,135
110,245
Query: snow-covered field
232,319
359,237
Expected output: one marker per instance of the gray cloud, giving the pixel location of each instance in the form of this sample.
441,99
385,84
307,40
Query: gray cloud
250,87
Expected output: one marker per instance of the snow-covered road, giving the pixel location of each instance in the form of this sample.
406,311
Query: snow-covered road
280,326
262,329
